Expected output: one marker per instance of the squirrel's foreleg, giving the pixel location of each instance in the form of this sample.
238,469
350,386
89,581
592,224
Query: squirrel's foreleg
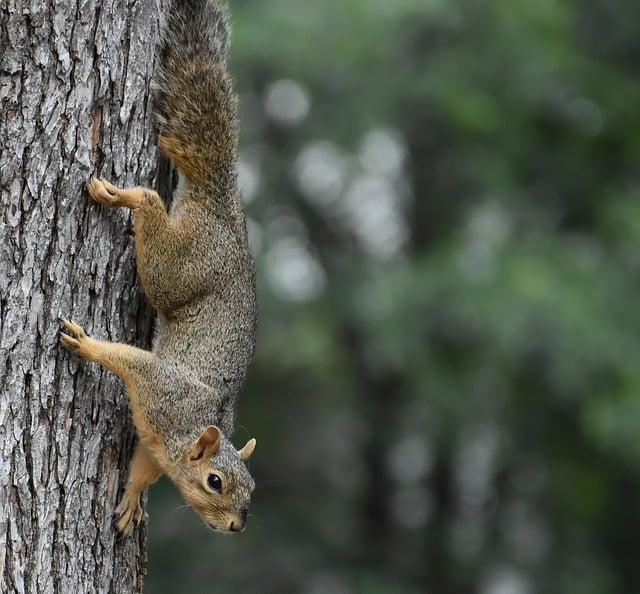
135,366
119,358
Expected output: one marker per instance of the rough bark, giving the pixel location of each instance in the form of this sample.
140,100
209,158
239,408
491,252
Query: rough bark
74,98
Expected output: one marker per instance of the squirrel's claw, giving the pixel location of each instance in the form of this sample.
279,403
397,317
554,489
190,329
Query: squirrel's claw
106,193
72,342
128,512
76,330
69,342
77,340
102,191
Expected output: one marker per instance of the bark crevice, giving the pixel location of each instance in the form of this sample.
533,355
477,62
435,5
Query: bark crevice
74,86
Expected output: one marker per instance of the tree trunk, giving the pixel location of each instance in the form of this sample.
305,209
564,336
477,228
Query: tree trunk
74,99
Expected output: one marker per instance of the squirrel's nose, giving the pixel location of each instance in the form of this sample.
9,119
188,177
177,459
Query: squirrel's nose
238,524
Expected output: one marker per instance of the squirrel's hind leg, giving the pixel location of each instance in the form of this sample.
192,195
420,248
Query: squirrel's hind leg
144,471
165,245
108,195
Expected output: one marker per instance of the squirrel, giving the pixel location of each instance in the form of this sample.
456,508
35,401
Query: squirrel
197,271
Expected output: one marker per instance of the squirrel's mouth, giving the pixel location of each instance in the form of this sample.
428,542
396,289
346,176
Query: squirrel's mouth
231,530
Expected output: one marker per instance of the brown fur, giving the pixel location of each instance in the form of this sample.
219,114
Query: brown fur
196,269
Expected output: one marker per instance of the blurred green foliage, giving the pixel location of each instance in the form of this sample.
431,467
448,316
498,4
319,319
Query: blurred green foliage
444,207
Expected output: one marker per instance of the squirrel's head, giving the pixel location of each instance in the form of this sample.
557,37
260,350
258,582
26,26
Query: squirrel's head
215,481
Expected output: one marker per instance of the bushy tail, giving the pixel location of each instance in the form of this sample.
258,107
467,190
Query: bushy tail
197,108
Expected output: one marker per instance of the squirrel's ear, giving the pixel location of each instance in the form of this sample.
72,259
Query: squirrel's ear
247,450
207,444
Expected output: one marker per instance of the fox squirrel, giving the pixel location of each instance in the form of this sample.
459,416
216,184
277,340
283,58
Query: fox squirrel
196,270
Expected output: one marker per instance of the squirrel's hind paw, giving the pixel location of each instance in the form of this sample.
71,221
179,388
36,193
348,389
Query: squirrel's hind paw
103,192
106,193
128,511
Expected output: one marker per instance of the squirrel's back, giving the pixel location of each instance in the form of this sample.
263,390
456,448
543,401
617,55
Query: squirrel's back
213,332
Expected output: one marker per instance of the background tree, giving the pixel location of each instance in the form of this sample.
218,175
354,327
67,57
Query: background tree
74,91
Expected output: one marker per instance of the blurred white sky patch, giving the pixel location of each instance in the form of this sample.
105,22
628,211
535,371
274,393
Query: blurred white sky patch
248,178
293,271
505,580
409,460
489,223
373,211
487,230
366,193
256,236
287,102
383,152
284,223
320,171
474,465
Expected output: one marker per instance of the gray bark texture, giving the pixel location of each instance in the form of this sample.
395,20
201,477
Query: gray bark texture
74,101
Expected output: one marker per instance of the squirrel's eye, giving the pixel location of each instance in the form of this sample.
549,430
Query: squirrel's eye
215,482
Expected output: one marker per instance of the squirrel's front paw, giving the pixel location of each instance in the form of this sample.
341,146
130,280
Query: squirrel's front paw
77,342
128,511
